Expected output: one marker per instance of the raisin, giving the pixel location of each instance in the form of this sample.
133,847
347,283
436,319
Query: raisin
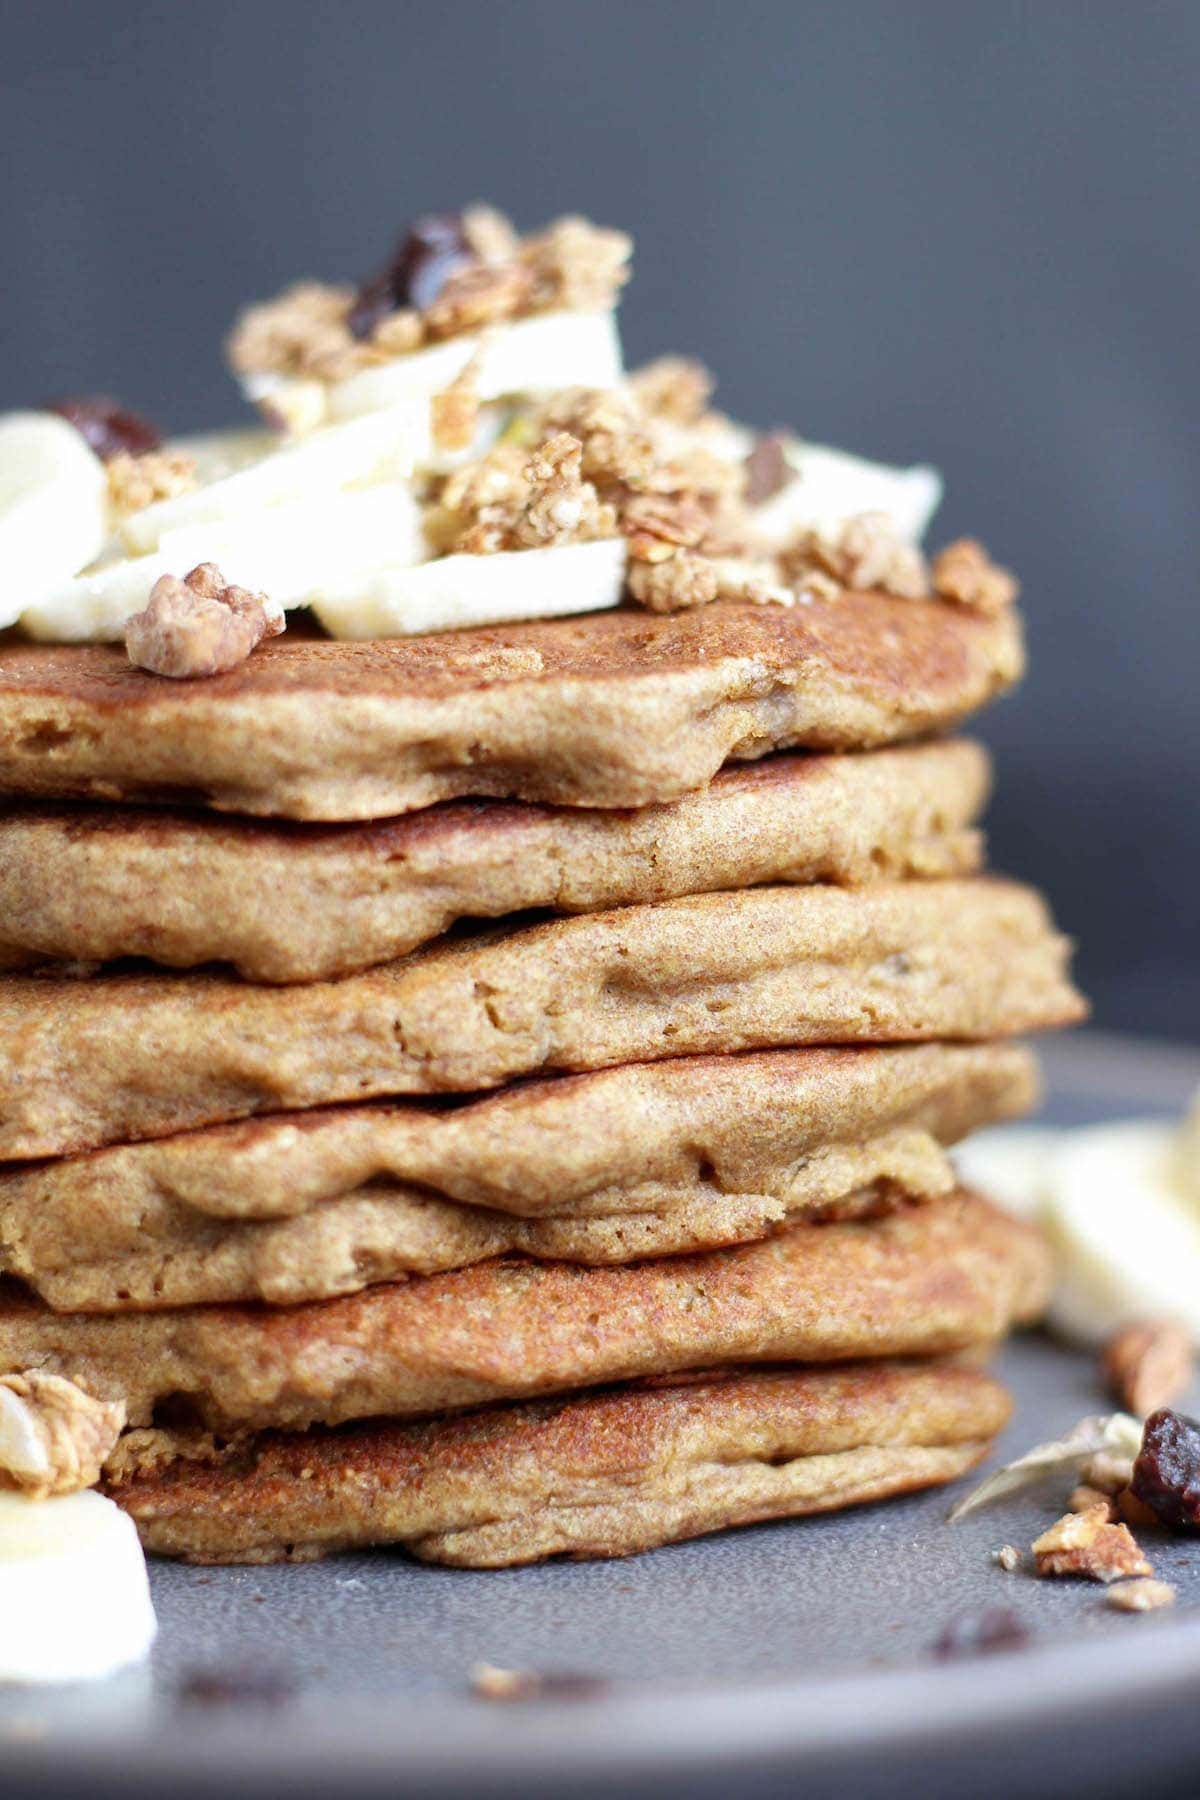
434,248
108,427
977,1634
1166,1475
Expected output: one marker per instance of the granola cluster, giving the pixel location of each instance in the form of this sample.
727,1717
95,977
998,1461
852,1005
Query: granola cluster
867,552
135,481
478,273
200,625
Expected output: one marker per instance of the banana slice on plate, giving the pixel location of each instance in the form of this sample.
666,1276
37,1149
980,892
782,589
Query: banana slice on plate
74,1596
453,591
830,486
54,513
1127,1236
1009,1165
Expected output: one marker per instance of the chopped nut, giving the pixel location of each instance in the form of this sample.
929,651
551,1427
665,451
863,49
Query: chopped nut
53,1437
1008,1557
682,580
1146,1595
672,387
1088,1499
1089,1544
479,295
198,626
577,265
1135,1512
679,519
1149,1365
964,572
137,481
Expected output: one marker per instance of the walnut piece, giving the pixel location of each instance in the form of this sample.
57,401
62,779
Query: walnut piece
53,1437
137,481
199,626
1148,1365
1145,1595
1089,1544
965,573
866,553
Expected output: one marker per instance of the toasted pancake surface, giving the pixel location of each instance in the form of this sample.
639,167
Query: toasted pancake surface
926,1281
286,902
615,709
644,1160
83,1063
595,1475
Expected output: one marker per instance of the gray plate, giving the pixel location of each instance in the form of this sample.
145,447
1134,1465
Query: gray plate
751,1662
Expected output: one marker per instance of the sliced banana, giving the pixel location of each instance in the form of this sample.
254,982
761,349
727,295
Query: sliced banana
831,486
453,591
74,1595
526,356
384,447
1128,1241
1009,1165
289,552
53,507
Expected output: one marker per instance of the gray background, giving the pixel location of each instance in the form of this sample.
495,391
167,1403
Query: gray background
959,232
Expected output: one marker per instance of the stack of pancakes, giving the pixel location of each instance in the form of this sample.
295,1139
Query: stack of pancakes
490,1093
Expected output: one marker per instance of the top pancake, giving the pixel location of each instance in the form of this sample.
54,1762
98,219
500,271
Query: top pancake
614,709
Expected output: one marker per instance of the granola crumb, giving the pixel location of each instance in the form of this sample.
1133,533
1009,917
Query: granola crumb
135,481
1148,1365
1089,1544
577,265
454,413
965,573
1145,1595
562,507
679,581
200,625
1007,1557
1087,1499
482,294
54,1437
491,235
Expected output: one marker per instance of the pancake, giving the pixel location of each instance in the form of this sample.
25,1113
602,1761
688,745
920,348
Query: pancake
925,1281
124,1056
612,709
598,1475
92,885
645,1160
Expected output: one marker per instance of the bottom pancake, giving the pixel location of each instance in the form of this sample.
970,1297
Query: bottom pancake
597,1475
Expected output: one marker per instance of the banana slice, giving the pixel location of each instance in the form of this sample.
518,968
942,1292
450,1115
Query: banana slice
832,486
381,448
527,356
453,591
289,552
1009,1165
74,1596
53,507
1129,1242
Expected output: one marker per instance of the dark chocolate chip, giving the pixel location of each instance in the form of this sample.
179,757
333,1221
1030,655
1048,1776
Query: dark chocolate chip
434,248
108,427
1166,1474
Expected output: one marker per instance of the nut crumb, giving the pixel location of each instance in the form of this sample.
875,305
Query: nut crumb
1088,1499
135,481
54,1438
1149,1364
1145,1595
965,573
198,626
1089,1544
1008,1557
